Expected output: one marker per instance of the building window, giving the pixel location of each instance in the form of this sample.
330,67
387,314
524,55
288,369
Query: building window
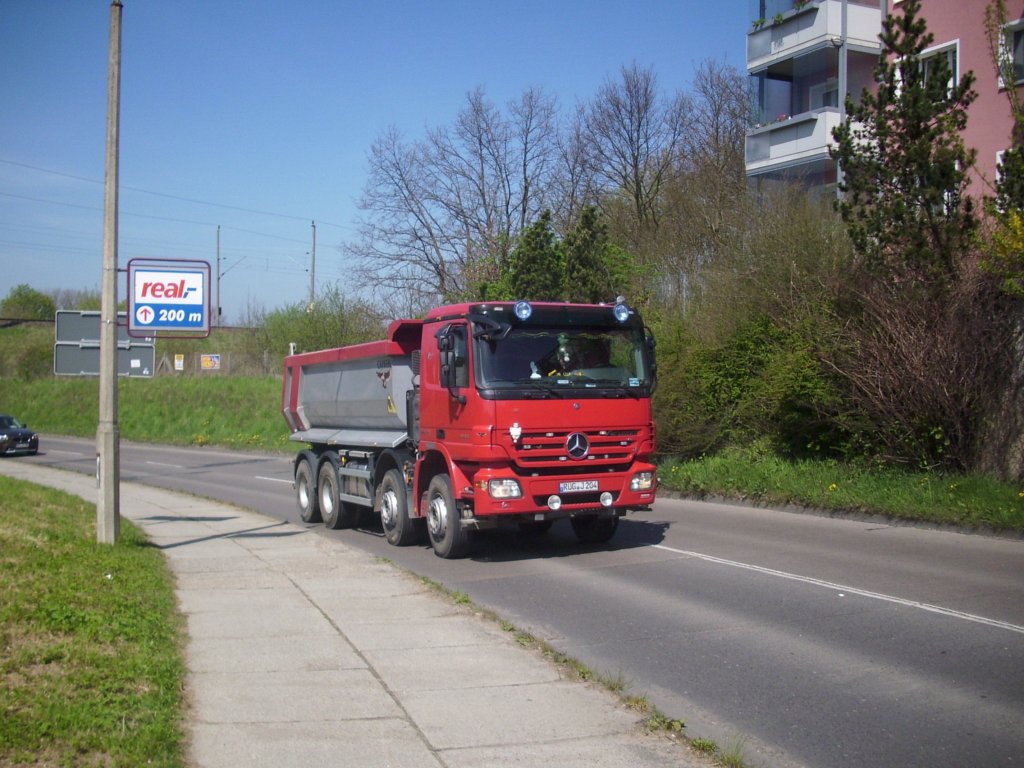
824,94
1013,54
948,53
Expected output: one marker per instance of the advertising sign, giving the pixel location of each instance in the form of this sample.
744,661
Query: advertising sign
168,296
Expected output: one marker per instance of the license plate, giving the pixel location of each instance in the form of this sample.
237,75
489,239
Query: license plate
577,486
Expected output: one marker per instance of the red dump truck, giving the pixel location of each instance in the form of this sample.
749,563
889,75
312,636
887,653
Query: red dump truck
475,416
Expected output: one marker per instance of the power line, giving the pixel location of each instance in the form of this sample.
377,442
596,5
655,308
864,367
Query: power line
172,197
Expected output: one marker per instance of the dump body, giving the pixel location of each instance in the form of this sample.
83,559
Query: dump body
352,396
479,414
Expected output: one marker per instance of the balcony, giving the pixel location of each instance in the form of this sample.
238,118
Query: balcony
795,31
802,140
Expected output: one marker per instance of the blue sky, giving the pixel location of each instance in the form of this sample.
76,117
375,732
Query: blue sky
257,116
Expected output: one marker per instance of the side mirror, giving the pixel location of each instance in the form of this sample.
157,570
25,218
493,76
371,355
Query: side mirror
450,361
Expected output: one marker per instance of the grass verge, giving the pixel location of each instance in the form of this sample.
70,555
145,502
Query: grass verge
90,648
934,497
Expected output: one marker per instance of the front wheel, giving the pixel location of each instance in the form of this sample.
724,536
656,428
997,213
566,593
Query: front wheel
594,529
444,524
399,528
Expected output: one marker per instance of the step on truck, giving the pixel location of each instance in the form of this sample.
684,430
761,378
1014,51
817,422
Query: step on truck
478,415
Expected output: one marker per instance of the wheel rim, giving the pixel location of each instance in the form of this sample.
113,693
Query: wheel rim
389,509
437,517
303,491
327,500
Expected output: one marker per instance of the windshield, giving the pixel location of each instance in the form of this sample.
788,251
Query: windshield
563,356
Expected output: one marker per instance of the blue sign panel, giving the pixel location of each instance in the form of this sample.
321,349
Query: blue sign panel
168,299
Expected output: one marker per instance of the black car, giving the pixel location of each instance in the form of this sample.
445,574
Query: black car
15,437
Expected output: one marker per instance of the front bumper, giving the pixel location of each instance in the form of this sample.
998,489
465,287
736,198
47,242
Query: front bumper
14,445
562,495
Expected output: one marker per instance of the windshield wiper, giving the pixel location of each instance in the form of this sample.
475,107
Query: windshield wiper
545,390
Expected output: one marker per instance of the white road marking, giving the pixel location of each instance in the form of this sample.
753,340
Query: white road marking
164,464
847,590
273,479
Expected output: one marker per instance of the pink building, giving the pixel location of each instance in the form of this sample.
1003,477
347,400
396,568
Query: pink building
802,54
959,30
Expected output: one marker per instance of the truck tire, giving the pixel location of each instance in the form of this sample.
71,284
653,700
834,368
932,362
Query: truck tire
444,526
595,529
399,528
335,513
306,497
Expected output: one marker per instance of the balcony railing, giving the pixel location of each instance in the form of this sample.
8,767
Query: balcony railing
789,32
791,141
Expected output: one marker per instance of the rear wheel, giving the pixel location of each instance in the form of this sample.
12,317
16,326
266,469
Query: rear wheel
335,513
594,529
400,529
444,524
306,493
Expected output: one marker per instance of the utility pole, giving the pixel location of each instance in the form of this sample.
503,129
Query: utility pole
217,317
312,269
108,517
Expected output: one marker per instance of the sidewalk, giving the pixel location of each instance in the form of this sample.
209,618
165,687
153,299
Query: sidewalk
304,652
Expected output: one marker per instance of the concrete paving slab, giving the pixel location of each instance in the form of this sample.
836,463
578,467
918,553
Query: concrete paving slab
288,619
617,751
386,743
287,697
277,653
419,634
515,714
457,667
361,610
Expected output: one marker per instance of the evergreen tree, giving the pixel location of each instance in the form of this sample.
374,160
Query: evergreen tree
535,269
904,163
587,254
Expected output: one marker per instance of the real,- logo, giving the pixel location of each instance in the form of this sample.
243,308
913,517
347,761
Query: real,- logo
166,287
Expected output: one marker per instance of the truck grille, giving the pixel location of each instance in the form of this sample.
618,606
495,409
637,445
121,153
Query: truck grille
541,450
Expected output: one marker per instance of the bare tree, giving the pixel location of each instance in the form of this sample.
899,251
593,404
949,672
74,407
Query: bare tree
634,135
442,213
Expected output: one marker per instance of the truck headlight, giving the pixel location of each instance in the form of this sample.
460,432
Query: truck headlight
504,489
642,481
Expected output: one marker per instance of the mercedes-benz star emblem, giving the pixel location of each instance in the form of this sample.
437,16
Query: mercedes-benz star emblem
577,445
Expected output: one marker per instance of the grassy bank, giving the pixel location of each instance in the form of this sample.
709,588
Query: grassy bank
940,498
89,639
232,411
244,413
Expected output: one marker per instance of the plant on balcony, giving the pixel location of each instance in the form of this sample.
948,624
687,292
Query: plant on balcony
801,4
778,18
758,23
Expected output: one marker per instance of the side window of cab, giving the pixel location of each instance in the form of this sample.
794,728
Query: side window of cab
461,358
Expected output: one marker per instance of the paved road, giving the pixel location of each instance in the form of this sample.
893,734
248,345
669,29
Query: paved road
806,641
